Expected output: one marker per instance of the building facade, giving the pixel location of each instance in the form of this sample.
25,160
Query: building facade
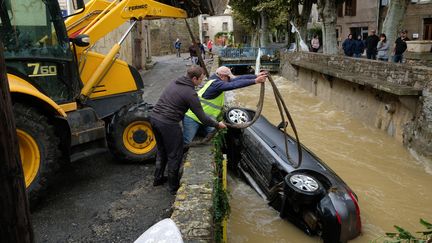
359,17
216,28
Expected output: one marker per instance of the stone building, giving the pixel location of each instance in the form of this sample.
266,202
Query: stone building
210,26
359,17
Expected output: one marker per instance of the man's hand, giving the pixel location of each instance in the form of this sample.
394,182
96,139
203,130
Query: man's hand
221,125
260,79
263,73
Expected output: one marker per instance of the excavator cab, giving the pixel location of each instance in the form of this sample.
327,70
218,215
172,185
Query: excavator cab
68,101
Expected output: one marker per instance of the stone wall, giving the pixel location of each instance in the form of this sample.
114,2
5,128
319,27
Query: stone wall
193,205
382,94
164,32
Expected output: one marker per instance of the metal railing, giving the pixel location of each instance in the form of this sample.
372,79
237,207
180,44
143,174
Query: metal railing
248,52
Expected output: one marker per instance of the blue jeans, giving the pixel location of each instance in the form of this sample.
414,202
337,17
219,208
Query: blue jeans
357,54
398,58
191,127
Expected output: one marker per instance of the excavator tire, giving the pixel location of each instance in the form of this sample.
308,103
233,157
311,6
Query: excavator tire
130,136
39,149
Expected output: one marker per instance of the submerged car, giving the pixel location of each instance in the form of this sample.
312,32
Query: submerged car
310,195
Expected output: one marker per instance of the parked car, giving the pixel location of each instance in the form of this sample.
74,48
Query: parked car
311,195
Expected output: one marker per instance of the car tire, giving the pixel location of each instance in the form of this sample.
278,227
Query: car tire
237,116
130,136
303,188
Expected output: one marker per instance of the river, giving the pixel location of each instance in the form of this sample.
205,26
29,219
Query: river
393,187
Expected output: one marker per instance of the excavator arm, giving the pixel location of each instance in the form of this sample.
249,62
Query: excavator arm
100,17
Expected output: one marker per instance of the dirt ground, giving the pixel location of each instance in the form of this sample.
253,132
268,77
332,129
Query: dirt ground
100,200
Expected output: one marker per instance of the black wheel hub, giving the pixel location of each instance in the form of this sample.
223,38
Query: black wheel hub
140,136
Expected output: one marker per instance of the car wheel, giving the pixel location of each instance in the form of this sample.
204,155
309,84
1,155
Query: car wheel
303,188
237,116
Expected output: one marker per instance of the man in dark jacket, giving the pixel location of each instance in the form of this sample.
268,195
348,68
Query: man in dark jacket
371,45
176,99
400,47
348,46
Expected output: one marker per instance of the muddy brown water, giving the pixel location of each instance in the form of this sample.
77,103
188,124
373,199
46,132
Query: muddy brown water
393,187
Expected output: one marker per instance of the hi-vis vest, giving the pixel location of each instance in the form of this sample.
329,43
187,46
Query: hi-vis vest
212,108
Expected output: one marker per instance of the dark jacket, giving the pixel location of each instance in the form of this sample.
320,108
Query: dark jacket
371,43
176,99
358,46
401,45
218,86
348,47
193,51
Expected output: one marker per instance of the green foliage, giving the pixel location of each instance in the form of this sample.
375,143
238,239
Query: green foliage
221,205
403,235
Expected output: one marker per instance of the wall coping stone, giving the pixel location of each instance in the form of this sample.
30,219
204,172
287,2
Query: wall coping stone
192,209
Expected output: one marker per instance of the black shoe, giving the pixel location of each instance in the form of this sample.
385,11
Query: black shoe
173,192
160,181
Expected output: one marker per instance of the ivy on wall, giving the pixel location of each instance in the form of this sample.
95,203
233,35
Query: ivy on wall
221,208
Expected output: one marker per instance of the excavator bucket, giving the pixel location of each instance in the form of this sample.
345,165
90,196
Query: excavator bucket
197,7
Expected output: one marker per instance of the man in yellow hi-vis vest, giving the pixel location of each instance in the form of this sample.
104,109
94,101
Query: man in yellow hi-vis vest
212,98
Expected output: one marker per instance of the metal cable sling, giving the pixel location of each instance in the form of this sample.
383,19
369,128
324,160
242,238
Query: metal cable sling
281,104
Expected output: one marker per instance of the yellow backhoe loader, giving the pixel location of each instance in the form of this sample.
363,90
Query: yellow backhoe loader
68,101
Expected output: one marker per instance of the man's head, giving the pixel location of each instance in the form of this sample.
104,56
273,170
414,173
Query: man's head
224,73
196,74
373,32
403,33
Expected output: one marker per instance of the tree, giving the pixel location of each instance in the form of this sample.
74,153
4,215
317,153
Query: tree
14,211
249,18
327,10
393,19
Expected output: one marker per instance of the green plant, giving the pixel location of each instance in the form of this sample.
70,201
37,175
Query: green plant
221,207
403,235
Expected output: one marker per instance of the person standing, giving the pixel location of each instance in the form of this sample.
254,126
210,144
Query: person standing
348,46
202,48
358,46
382,48
212,98
315,43
400,47
193,53
177,46
177,98
210,47
371,45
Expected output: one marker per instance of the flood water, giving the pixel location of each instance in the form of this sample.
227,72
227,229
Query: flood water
393,187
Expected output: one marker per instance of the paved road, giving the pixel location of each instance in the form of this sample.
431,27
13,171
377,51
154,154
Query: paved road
100,200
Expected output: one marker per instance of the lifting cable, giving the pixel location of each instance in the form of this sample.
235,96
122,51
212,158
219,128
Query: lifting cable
279,101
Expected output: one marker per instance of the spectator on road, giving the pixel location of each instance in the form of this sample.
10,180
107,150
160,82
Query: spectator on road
382,48
348,46
177,98
210,47
193,53
202,48
177,46
315,43
212,99
359,46
371,45
400,46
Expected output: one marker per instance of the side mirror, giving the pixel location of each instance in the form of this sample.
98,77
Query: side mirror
81,40
78,4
